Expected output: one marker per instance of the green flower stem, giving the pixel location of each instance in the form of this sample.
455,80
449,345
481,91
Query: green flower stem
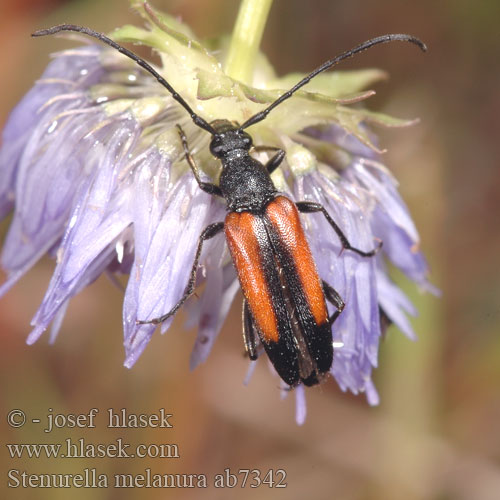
246,38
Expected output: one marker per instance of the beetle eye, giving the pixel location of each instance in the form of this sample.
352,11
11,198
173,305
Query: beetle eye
216,146
247,141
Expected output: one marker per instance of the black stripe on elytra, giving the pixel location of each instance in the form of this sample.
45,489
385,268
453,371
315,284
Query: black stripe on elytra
284,353
318,338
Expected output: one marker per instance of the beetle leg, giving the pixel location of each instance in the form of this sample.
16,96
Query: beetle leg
263,147
275,161
249,332
307,207
209,232
335,299
208,187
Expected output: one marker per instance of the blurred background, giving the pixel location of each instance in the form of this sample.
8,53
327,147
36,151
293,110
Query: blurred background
435,434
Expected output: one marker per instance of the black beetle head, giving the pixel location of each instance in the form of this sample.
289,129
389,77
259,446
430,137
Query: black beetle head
228,138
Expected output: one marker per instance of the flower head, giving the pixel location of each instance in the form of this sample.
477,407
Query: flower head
92,165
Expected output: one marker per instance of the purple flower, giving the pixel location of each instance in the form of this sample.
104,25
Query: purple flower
93,168
365,202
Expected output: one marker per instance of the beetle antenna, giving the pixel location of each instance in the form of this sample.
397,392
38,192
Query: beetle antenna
327,65
198,120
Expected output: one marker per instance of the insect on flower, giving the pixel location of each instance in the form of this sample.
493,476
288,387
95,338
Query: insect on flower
284,306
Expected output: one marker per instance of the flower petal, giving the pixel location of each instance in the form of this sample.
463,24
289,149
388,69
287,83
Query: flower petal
68,72
163,261
100,216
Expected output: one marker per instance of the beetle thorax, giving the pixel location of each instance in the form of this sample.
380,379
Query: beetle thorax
245,183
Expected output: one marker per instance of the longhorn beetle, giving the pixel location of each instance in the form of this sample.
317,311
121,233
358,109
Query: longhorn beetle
284,301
